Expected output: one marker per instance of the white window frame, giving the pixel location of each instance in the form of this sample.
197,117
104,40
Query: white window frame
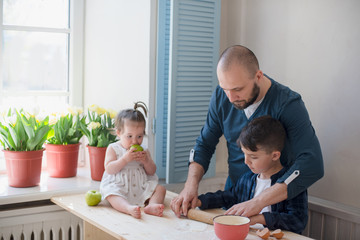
76,54
76,59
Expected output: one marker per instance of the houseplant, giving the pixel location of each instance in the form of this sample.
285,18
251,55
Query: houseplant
62,147
22,137
99,132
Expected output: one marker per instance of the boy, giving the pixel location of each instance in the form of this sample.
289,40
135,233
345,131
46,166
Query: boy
261,141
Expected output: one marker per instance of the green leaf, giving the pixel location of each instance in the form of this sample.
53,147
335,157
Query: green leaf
45,121
14,138
90,116
59,133
12,145
32,121
4,133
29,127
101,140
84,129
3,144
3,130
45,137
72,132
20,132
34,142
51,133
73,140
109,121
6,142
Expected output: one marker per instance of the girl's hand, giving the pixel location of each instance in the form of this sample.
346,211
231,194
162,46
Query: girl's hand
144,158
132,155
148,163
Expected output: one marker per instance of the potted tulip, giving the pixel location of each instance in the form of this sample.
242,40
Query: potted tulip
62,147
99,132
22,137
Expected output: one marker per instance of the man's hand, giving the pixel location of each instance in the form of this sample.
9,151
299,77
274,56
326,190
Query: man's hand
186,199
188,196
246,209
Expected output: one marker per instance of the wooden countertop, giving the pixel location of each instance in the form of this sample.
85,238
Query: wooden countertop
123,226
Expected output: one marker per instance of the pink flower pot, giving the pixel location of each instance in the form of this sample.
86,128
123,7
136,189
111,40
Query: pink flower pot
97,159
62,160
23,168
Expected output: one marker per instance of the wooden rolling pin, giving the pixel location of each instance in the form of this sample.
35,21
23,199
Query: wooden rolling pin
201,216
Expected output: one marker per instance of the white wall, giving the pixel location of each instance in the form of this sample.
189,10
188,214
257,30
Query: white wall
313,47
117,35
117,53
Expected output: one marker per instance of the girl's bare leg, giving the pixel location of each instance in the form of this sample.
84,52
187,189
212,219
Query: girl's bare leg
124,206
156,202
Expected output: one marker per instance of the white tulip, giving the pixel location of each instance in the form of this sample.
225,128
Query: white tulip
94,125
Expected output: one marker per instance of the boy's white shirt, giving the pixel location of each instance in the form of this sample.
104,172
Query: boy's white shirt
261,185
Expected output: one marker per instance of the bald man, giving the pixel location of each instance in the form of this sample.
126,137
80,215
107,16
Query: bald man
244,93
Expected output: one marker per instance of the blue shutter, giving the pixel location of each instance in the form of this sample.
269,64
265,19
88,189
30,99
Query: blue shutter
162,84
188,80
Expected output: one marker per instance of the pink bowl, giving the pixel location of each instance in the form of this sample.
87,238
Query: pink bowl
231,227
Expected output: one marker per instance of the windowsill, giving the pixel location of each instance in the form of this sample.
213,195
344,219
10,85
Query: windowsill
47,188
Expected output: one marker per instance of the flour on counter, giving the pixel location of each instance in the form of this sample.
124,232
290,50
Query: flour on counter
192,226
189,235
188,229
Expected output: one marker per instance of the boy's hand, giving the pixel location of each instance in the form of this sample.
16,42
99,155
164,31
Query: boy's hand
198,203
257,219
247,209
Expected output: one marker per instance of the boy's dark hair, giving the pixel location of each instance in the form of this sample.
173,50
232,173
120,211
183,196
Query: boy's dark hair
133,115
264,133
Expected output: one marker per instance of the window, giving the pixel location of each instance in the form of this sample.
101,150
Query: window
41,54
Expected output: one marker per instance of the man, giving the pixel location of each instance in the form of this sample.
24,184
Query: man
244,93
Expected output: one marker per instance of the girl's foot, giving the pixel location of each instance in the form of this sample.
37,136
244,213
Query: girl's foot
135,211
155,209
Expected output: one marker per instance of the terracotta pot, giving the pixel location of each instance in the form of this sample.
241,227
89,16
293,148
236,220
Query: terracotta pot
62,160
23,168
97,159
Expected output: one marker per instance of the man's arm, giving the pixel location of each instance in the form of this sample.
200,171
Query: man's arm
272,195
203,150
289,215
304,148
188,196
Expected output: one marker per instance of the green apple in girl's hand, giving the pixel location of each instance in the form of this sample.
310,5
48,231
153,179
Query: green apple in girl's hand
137,147
93,197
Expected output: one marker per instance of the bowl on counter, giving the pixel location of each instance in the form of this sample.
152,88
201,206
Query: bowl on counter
231,227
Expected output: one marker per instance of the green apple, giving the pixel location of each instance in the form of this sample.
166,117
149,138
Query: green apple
93,197
137,147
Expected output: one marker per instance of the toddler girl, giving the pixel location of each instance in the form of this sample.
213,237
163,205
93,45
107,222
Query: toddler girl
129,181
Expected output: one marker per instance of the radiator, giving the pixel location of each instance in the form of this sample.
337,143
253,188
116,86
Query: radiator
40,223
329,220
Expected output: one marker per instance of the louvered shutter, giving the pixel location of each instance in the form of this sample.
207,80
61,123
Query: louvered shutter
162,85
188,80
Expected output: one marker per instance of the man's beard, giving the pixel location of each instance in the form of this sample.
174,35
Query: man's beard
242,104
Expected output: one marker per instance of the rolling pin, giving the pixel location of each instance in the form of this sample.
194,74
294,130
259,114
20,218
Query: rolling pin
201,216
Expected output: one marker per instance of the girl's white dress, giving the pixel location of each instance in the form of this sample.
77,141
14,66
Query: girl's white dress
131,183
